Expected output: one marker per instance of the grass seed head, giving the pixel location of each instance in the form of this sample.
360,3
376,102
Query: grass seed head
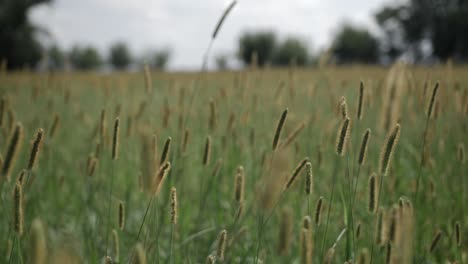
343,137
279,128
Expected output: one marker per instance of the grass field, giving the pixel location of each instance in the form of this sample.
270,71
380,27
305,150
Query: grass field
238,199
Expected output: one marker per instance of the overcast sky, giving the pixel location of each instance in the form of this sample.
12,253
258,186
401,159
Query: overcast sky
186,25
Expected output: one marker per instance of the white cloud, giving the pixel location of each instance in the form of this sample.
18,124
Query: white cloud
186,26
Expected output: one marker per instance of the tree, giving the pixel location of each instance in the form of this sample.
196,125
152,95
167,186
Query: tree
18,43
443,24
85,58
263,43
291,49
160,59
120,56
354,44
56,58
221,61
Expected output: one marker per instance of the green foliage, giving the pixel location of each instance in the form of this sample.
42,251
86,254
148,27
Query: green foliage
353,44
262,43
160,59
120,56
291,49
85,58
56,58
221,61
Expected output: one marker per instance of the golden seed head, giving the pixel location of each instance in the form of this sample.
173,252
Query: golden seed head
307,223
296,172
36,148
279,128
318,211
239,185
116,246
161,176
121,215
166,151
18,217
21,177
173,206
361,100
115,140
222,244
54,126
433,98
343,108
388,150
343,136
309,178
12,151
306,246
364,146
207,151
373,193
435,240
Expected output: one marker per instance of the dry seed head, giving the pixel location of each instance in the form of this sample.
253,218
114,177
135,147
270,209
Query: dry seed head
279,128
318,211
173,206
38,239
116,245
92,165
240,211
361,100
296,172
161,176
221,245
108,260
343,108
373,193
212,119
306,246
139,255
343,136
458,234
13,148
364,146
330,255
18,217
166,151
121,215
239,186
388,150
207,151
211,259
358,231
223,17
435,241
394,225
380,225
307,223
21,177
115,140
285,231
36,148
433,98
309,178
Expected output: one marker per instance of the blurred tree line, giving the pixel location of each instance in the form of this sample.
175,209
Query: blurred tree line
421,30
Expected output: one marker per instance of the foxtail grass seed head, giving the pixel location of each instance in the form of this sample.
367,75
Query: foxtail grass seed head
296,172
306,246
103,126
388,253
115,140
239,186
373,193
161,176
36,148
307,223
116,245
433,98
309,178
18,217
343,136
221,245
361,100
173,206
38,242
92,165
185,140
139,254
318,211
364,146
343,108
458,234
380,226
388,150
166,151
279,128
211,259
222,18
121,215
212,118
285,230
329,256
358,231
435,241
108,260
12,151
21,177
207,151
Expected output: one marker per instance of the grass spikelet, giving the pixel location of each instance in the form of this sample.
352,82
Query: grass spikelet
309,178
207,151
329,256
361,100
115,140
12,151
343,136
290,138
239,185
185,141
458,234
388,253
318,211
221,245
55,125
435,241
279,128
285,231
212,117
38,242
222,18
121,215
161,176
364,146
35,148
373,193
139,254
211,259
433,98
108,260
343,108
394,225
116,245
307,223
388,150
358,231
173,206
21,177
18,216
306,246
296,172
92,165
166,151
380,226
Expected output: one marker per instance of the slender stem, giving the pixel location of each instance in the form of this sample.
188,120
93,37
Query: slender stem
380,192
109,205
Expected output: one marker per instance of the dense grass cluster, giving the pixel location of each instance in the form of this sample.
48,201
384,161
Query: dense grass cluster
356,164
